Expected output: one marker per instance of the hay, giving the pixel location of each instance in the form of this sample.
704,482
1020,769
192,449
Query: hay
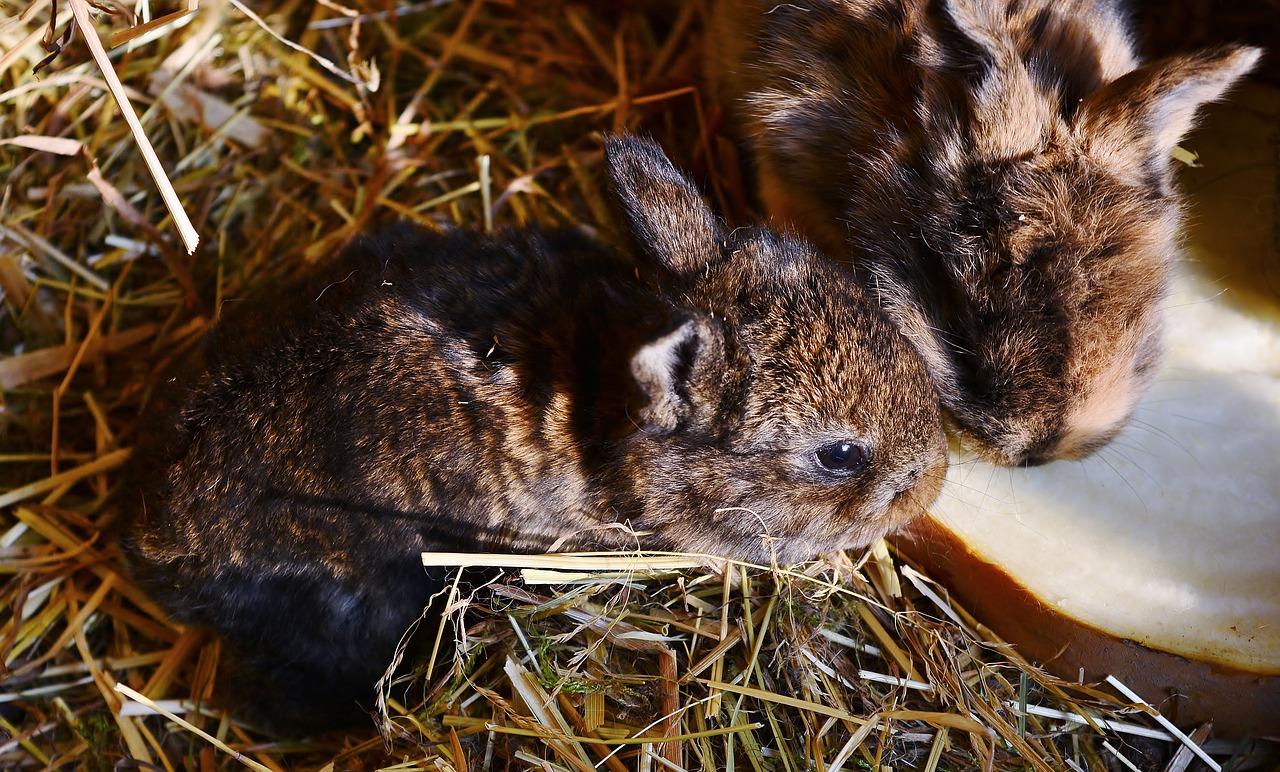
282,135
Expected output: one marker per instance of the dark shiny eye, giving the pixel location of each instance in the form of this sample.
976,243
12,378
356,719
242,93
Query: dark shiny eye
845,456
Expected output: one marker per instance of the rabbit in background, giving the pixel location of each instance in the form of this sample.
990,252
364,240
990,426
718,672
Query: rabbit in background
516,393
999,174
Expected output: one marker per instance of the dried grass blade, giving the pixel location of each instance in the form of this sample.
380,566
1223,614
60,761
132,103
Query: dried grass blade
588,724
674,39
450,47
187,644
455,750
570,561
74,624
24,739
1164,722
20,293
887,643
486,193
885,572
935,751
215,742
782,699
34,629
868,675
41,246
106,683
59,536
1120,757
190,238
584,32
733,638
124,36
318,59
921,583
58,145
544,710
97,466
1009,734
782,748
1183,758
856,740
672,747
948,720
752,748
640,740
56,23
1116,726
717,663
12,55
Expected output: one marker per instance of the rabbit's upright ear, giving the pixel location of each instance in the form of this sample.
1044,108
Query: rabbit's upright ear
667,215
1133,123
680,373
1010,115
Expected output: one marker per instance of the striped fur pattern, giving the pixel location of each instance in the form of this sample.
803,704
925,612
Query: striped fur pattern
999,174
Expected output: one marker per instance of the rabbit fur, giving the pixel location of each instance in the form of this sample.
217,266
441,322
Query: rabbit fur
708,391
999,174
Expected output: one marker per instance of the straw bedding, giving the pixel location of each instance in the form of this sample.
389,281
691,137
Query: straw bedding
283,129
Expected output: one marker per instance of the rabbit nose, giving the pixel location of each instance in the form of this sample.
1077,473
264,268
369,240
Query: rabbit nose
1037,452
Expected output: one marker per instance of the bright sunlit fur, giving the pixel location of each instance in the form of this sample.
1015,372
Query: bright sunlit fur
999,172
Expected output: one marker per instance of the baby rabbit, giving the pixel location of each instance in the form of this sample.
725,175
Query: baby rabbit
1000,173
514,393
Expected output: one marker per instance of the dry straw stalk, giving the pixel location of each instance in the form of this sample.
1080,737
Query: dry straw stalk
273,132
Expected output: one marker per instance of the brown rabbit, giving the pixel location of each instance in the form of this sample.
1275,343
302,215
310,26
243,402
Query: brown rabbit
1000,173
511,393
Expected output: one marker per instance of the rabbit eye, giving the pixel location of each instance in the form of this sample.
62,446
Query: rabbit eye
844,457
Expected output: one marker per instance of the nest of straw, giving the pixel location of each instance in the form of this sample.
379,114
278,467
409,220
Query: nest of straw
279,131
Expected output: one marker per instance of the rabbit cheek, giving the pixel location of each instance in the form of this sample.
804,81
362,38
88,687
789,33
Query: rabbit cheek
860,512
918,489
911,487
885,496
1110,396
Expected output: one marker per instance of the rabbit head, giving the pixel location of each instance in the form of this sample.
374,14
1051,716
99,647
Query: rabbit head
1001,174
785,415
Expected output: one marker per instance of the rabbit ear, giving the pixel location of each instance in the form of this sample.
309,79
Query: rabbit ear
668,217
679,372
1011,117
1133,123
